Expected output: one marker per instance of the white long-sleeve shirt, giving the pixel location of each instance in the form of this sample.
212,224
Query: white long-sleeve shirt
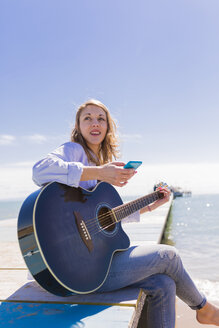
65,165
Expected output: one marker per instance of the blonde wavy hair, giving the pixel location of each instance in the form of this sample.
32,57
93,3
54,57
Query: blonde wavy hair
109,146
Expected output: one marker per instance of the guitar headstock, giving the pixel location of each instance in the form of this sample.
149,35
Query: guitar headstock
161,185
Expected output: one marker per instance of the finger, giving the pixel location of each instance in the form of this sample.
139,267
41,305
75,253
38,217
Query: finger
165,194
120,184
118,163
125,177
128,172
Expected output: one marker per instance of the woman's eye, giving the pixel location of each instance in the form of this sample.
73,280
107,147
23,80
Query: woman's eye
88,118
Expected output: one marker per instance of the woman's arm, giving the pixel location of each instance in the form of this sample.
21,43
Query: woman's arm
68,164
55,169
112,173
64,165
158,202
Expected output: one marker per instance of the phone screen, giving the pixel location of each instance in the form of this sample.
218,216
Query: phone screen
133,165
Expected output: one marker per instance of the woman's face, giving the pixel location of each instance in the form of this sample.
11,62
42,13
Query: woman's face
93,126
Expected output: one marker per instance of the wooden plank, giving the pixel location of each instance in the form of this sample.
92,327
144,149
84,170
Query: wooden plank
15,287
32,315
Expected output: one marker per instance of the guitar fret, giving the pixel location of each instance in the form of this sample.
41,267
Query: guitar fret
125,210
130,210
135,207
118,215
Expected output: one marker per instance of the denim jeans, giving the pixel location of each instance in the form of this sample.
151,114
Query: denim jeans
158,270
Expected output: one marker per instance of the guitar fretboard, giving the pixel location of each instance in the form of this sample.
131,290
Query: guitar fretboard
127,209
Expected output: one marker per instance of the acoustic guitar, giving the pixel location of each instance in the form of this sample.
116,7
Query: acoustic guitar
68,235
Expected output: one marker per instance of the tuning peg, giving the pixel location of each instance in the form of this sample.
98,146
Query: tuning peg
162,185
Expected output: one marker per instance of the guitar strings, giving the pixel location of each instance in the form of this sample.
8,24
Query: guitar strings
109,215
117,209
104,228
100,229
92,226
93,233
103,218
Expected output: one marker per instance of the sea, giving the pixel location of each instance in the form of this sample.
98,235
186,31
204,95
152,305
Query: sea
193,228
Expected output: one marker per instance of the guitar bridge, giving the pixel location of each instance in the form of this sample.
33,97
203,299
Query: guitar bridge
83,231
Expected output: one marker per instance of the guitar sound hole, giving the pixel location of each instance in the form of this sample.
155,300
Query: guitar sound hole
106,219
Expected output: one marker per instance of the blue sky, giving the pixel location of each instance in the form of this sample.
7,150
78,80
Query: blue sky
153,63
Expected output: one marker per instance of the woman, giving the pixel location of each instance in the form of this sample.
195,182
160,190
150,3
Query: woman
157,269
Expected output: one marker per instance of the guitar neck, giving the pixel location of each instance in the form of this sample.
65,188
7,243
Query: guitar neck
127,209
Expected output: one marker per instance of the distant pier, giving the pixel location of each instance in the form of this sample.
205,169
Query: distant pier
179,192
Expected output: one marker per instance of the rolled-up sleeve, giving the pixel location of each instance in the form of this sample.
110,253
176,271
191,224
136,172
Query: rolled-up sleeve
75,170
60,167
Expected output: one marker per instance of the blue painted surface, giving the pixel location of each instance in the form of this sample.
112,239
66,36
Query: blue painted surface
38,315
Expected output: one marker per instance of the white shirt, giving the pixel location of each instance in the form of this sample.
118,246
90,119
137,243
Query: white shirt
65,165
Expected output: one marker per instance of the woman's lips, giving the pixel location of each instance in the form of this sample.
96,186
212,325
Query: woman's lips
95,133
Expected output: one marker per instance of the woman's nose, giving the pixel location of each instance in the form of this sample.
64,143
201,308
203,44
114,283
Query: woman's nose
95,122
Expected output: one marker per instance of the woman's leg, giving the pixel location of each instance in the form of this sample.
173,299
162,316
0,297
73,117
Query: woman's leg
137,264
161,291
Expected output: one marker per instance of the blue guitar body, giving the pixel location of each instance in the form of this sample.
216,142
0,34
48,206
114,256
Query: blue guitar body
68,236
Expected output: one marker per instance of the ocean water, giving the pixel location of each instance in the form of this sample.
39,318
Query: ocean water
9,209
193,228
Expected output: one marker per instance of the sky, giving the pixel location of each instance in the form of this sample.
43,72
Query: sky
154,64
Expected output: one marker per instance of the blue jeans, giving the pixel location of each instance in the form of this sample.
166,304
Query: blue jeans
158,270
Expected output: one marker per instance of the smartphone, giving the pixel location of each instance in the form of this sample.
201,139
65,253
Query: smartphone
132,165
